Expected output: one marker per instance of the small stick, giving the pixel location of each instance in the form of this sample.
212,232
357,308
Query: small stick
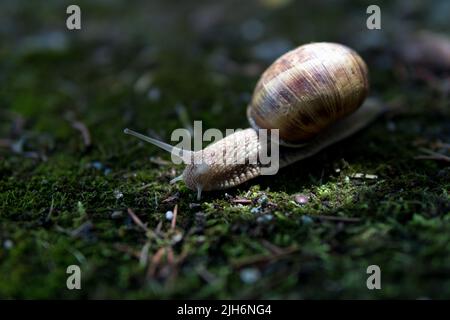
137,220
170,256
154,262
80,126
156,200
158,228
206,275
88,225
51,210
432,155
443,145
174,219
271,247
145,186
171,198
143,255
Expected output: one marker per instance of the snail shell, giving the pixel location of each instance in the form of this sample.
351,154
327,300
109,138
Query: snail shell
307,89
311,94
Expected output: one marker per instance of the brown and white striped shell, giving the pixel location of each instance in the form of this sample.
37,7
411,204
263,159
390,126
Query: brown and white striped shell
308,89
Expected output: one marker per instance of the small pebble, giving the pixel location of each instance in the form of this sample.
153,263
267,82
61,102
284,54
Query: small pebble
307,220
177,238
301,198
17,146
194,205
97,165
255,210
118,194
250,275
8,244
169,215
116,215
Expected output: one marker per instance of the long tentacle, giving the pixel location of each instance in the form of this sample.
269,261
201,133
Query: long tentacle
185,155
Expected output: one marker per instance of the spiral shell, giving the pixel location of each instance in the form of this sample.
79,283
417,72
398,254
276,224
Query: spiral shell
308,89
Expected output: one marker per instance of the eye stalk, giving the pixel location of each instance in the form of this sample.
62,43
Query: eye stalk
185,155
195,171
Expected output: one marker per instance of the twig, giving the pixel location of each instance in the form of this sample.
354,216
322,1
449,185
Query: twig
51,210
271,247
154,262
183,255
143,255
171,198
159,161
156,201
174,219
432,155
170,256
85,227
137,220
443,145
145,186
158,228
206,275
80,126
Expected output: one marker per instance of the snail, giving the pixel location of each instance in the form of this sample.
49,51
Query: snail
314,95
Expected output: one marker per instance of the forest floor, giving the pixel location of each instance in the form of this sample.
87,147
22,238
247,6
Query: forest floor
74,190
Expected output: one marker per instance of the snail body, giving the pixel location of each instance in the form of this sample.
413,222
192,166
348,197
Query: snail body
312,96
